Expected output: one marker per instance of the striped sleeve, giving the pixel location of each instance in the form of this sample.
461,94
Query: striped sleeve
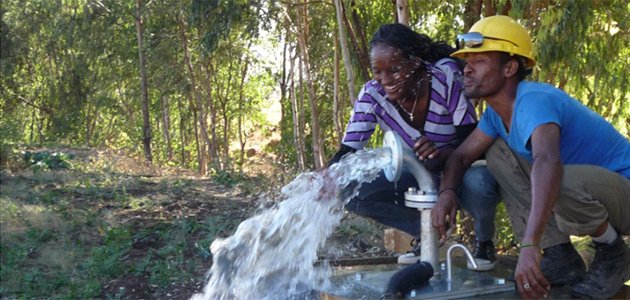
363,120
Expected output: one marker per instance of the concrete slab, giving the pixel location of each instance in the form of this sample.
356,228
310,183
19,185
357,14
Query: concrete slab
369,282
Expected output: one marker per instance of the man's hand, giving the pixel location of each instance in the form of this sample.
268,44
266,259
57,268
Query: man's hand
530,281
445,206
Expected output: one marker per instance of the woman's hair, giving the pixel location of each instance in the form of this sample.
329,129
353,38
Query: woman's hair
411,43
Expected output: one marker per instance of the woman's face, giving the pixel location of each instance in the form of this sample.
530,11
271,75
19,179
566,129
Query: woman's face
397,74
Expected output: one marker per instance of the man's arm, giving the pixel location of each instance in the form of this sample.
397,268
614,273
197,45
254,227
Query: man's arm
546,178
472,148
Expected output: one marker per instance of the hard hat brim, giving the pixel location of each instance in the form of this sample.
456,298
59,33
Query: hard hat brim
489,46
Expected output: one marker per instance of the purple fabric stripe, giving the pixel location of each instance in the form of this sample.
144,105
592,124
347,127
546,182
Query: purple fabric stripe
395,126
455,94
366,98
439,119
469,119
437,97
363,117
391,122
440,77
357,136
379,88
451,64
441,138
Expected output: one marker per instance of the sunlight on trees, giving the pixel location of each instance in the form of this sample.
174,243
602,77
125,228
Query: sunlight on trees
70,70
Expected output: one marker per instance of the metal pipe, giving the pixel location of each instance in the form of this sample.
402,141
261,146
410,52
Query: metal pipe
428,240
423,198
404,158
426,181
449,275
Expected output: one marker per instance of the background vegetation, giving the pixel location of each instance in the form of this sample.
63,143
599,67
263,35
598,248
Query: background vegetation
205,86
187,83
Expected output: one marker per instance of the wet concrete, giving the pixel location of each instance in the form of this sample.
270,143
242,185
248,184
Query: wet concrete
369,282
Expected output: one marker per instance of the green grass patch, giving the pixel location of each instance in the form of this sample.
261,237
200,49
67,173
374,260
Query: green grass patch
87,230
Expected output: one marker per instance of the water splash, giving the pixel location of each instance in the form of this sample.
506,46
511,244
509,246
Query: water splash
272,255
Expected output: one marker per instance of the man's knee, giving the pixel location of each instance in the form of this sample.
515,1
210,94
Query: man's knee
581,207
495,156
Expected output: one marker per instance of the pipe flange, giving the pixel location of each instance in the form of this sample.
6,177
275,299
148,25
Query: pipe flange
394,143
420,201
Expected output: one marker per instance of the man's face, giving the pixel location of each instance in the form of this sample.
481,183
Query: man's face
483,74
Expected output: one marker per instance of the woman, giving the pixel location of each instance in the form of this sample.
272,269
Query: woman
417,92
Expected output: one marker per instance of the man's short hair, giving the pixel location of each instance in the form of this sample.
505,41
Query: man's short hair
523,71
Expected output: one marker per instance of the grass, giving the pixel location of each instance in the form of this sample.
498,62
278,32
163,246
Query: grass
84,232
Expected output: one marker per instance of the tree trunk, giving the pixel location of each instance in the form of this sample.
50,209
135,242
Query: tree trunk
213,152
182,130
298,129
146,127
345,52
205,144
472,12
489,8
318,151
33,118
166,127
402,11
283,94
362,48
226,118
336,111
88,123
363,60
241,110
394,11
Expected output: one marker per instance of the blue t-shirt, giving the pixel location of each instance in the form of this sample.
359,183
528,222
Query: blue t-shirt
585,137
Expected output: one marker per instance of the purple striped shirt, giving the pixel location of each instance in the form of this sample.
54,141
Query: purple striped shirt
448,108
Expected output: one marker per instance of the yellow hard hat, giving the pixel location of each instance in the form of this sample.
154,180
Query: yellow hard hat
496,33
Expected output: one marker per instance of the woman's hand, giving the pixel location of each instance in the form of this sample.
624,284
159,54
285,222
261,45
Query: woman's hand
530,281
425,149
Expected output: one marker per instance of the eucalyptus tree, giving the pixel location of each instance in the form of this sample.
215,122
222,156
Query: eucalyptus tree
142,66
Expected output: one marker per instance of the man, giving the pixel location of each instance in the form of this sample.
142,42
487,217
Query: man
562,169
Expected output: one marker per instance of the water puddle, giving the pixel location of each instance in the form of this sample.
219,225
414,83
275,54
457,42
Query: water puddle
272,255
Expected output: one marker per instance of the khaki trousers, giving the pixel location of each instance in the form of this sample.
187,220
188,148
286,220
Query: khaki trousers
589,196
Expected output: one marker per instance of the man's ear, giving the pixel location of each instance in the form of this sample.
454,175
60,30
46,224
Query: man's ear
510,68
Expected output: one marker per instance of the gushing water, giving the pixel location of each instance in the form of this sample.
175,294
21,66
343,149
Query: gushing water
272,255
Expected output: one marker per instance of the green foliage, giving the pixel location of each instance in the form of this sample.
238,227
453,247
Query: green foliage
226,178
504,234
106,260
45,160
